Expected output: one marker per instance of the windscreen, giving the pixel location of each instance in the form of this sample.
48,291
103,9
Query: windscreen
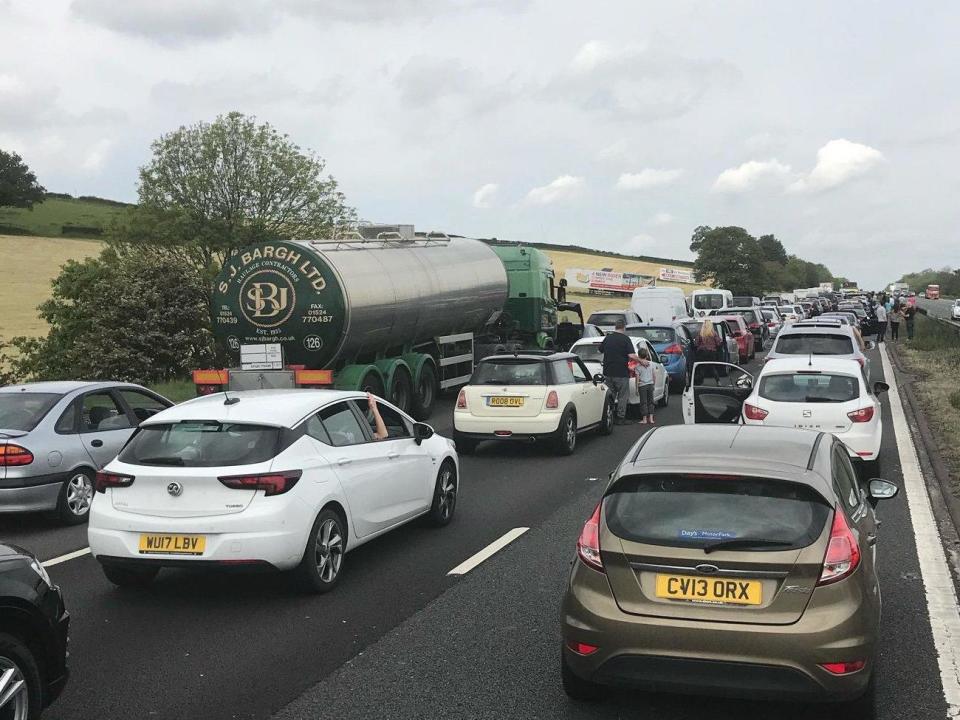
708,302
696,511
588,352
202,443
749,316
605,319
742,301
814,343
654,334
732,326
810,388
510,372
23,411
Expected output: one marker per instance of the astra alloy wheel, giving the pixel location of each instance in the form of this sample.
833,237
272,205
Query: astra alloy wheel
319,570
20,691
76,496
444,496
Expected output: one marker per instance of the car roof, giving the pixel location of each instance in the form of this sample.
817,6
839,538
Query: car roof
672,324
280,408
62,387
730,450
823,363
541,356
801,328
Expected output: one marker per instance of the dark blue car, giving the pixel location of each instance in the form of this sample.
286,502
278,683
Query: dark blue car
673,343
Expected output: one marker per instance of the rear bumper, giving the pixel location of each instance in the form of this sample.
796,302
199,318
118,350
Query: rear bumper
485,428
32,498
59,674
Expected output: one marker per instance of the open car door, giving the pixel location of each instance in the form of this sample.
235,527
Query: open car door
570,325
715,393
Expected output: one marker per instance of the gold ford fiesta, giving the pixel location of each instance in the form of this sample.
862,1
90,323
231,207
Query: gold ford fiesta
729,560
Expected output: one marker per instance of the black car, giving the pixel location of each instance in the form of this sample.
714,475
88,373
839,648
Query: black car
33,635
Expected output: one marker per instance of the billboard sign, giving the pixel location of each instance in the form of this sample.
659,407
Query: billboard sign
676,275
605,281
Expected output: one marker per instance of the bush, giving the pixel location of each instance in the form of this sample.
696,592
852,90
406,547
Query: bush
139,318
955,399
930,334
7,376
81,230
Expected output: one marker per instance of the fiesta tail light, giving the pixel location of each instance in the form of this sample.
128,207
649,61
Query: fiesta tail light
581,648
839,668
553,400
462,399
275,483
752,412
14,456
864,414
588,545
674,349
106,480
843,551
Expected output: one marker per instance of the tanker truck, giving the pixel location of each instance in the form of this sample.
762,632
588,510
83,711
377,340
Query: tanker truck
401,314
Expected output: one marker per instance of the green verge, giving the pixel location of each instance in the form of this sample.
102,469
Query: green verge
176,390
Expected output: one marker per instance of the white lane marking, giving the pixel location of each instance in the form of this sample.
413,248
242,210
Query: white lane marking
69,556
496,546
937,582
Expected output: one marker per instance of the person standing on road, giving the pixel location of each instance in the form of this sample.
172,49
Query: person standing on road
707,347
881,322
645,387
909,315
618,351
896,317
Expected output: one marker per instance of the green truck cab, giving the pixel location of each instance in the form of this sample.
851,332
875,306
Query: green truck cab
530,313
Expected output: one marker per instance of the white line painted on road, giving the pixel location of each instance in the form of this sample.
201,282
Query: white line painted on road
63,558
489,551
937,582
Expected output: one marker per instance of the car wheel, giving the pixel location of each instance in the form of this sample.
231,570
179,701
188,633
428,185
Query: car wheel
76,495
322,563
130,576
606,422
444,496
665,400
576,687
566,440
20,691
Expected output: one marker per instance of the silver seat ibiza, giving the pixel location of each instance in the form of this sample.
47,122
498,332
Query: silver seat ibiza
54,436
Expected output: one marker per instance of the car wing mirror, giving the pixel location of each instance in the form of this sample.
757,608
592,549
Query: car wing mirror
870,344
598,379
421,432
880,387
880,489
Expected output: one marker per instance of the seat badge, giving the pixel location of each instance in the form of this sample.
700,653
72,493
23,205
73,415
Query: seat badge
175,489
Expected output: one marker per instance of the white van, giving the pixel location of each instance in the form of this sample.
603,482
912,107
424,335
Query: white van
659,304
704,301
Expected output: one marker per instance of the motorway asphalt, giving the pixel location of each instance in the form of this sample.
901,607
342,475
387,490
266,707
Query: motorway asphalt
399,638
936,308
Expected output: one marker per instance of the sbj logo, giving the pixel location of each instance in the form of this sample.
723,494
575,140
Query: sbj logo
267,298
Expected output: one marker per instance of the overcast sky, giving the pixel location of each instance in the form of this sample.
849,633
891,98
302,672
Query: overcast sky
615,125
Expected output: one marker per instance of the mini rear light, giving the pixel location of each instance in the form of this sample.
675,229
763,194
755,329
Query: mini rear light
864,414
14,456
843,552
752,412
841,668
553,400
581,648
462,399
106,480
588,545
275,483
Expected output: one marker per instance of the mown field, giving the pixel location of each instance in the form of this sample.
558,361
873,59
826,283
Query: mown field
61,217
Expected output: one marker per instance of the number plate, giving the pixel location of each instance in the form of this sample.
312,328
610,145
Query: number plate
733,591
506,402
172,544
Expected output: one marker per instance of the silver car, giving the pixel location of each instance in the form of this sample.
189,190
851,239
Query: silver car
54,436
820,337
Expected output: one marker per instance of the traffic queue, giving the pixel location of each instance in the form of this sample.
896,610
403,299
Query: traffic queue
681,545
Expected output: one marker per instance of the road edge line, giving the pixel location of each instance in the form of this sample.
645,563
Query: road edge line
489,551
940,593
64,558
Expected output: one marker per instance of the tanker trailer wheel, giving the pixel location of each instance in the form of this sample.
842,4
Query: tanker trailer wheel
401,389
372,383
426,393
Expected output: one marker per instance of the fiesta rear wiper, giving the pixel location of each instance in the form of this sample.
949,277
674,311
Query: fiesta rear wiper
162,461
745,542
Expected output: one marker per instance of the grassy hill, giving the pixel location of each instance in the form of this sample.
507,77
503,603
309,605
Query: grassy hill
62,216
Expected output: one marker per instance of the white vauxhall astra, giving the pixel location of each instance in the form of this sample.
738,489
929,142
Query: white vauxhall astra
292,479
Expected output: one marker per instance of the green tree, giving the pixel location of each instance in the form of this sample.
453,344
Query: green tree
18,185
141,317
772,249
212,188
729,258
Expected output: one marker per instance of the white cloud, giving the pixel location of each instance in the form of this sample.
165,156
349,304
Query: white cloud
641,244
661,219
485,195
565,187
838,162
750,175
647,178
93,159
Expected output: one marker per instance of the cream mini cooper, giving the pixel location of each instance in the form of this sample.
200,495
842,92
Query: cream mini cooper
532,397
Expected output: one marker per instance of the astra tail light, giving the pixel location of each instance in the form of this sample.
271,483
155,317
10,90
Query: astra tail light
840,668
462,399
588,546
14,456
752,412
275,483
106,480
864,414
553,400
843,552
674,349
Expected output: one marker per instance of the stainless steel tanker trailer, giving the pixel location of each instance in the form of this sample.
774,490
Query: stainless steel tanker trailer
384,309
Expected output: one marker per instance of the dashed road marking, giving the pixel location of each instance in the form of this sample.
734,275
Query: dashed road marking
63,558
488,552
937,582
